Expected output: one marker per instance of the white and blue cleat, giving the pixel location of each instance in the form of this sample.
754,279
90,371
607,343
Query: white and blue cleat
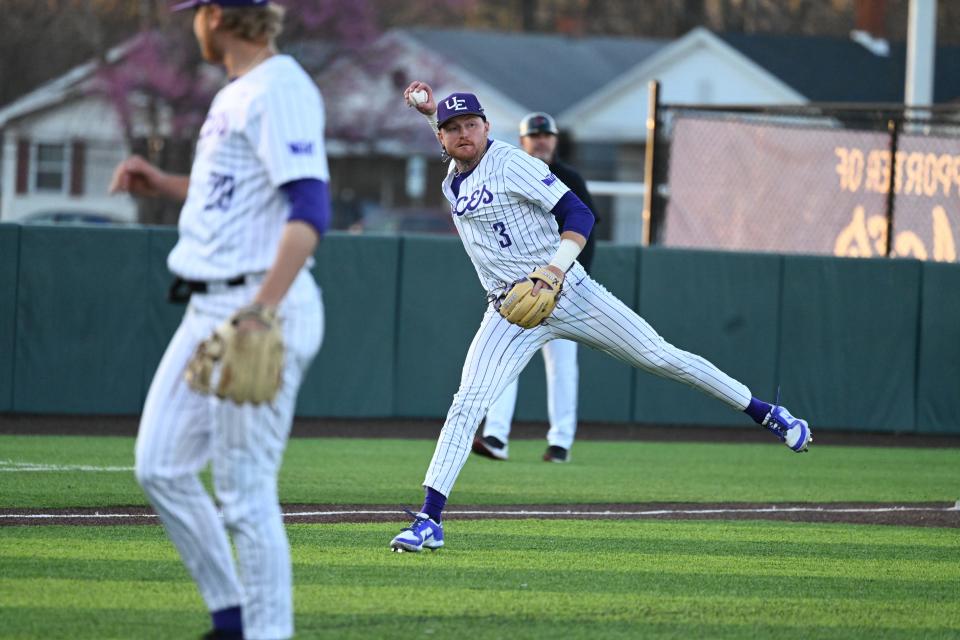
793,432
423,533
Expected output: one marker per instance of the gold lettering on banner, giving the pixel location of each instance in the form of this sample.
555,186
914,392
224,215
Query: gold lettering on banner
930,180
849,167
944,248
841,166
854,240
909,245
941,174
917,173
866,236
914,174
926,177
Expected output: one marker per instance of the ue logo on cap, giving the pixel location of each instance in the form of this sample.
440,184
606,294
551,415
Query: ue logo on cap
455,103
458,104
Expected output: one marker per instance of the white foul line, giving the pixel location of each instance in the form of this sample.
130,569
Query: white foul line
74,516
656,512
12,465
514,512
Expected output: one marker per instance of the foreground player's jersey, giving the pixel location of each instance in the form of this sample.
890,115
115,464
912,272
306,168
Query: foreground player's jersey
263,129
503,214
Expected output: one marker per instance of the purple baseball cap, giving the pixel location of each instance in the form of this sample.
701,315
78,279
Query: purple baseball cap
458,104
191,4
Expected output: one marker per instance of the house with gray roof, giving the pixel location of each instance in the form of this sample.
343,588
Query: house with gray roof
542,72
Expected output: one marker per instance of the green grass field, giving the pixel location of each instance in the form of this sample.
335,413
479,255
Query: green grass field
357,471
518,578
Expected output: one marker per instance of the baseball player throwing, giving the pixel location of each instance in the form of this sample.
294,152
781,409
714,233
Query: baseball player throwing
504,204
255,204
538,137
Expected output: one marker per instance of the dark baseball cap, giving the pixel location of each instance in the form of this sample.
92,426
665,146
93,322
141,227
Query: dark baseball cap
538,122
191,4
458,104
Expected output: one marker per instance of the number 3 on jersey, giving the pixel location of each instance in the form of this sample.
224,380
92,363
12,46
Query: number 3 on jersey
501,230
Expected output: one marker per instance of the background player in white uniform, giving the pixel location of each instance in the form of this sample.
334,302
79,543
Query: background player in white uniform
538,137
256,202
503,203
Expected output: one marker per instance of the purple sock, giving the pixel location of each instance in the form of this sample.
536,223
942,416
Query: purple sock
227,619
433,504
758,410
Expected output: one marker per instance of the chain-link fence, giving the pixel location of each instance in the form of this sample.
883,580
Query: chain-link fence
836,180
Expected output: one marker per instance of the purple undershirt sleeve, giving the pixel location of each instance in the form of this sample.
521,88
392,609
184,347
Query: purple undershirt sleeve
309,202
575,215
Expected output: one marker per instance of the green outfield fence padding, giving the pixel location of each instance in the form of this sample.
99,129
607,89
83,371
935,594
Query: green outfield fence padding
161,316
80,320
855,344
938,369
353,374
9,260
440,307
720,306
606,384
848,341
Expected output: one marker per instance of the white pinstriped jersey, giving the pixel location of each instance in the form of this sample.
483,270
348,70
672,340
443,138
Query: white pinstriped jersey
263,129
503,214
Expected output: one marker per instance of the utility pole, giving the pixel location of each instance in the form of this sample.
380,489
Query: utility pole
921,52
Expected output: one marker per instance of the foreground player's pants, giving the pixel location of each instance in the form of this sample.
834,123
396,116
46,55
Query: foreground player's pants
560,362
586,313
181,431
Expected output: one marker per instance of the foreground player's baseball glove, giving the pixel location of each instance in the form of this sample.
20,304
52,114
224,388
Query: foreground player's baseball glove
525,310
251,361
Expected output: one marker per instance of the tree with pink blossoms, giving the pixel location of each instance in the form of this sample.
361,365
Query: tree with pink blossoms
161,88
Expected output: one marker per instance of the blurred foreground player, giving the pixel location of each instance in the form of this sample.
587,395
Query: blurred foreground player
255,204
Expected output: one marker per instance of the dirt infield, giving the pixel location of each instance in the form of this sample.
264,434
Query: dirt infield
923,514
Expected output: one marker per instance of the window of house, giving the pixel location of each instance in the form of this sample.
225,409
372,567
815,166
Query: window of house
51,167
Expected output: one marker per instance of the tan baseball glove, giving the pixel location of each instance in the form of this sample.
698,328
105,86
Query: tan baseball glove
251,361
522,308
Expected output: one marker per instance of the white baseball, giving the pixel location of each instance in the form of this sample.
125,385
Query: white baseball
417,97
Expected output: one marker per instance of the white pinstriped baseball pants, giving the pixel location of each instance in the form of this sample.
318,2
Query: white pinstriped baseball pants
587,313
182,431
560,363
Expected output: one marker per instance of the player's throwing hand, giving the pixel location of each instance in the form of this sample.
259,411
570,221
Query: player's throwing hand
419,95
